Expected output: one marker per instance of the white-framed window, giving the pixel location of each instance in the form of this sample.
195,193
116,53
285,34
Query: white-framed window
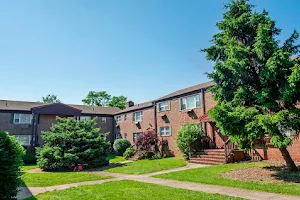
85,118
20,118
125,117
137,116
125,135
103,119
23,139
164,106
165,131
134,136
118,119
190,102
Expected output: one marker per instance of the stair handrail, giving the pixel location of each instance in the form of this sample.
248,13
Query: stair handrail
229,147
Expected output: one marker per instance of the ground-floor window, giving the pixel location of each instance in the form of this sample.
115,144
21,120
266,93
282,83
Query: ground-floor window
85,118
125,135
165,131
24,139
135,135
103,120
118,136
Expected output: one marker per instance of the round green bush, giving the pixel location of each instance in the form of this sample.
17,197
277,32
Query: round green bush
129,153
186,136
11,153
120,146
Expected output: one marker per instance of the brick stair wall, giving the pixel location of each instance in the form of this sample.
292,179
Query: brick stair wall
210,157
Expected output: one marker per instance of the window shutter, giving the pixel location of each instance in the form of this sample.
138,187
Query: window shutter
12,118
201,99
170,130
158,132
179,104
169,102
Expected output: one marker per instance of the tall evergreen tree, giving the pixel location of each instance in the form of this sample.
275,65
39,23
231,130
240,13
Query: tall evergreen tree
257,83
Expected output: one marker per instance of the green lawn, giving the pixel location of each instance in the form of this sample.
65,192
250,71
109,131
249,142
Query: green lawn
113,158
148,166
127,190
211,175
58,178
28,167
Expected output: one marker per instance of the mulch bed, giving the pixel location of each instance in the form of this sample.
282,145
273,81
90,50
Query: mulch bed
275,173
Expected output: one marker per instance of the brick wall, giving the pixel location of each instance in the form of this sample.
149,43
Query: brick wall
45,122
274,154
175,119
6,124
129,127
106,127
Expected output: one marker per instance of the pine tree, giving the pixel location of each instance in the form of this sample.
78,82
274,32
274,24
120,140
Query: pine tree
257,83
70,142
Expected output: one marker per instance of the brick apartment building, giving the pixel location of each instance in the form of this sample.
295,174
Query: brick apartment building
166,114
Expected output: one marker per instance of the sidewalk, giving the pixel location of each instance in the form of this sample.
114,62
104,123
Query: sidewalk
146,178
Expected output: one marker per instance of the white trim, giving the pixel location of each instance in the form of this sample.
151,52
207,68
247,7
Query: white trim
165,106
135,119
165,131
103,120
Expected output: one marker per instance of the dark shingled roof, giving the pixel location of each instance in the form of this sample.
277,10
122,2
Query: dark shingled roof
136,107
173,94
26,106
187,90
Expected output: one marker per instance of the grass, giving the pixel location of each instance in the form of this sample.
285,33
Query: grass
58,178
127,190
148,166
113,158
211,175
28,167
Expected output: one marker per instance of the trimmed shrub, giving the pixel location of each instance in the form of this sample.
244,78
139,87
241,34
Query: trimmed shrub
129,153
147,144
11,153
29,157
70,142
186,137
120,146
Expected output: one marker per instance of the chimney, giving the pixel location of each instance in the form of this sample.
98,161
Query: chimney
129,104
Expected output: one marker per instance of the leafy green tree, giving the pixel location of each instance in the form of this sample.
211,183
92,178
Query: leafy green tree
118,102
70,142
11,153
50,98
186,137
97,98
257,83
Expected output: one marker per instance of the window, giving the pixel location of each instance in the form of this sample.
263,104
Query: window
125,135
137,116
165,131
118,119
103,120
164,106
286,130
118,136
188,103
85,118
125,117
22,118
135,135
24,139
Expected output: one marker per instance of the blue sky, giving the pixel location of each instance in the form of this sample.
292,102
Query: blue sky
139,49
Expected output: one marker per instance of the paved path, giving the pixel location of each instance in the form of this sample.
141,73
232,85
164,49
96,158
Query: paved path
248,194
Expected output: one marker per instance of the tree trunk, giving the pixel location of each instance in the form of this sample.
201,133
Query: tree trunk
288,160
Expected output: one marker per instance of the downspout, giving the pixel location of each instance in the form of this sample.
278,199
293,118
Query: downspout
155,116
204,108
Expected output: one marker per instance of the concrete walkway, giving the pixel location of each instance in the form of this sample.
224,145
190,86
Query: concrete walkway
146,178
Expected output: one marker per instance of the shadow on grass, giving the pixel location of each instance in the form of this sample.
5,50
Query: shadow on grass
103,168
281,173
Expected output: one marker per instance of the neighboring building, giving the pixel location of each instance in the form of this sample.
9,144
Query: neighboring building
26,120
